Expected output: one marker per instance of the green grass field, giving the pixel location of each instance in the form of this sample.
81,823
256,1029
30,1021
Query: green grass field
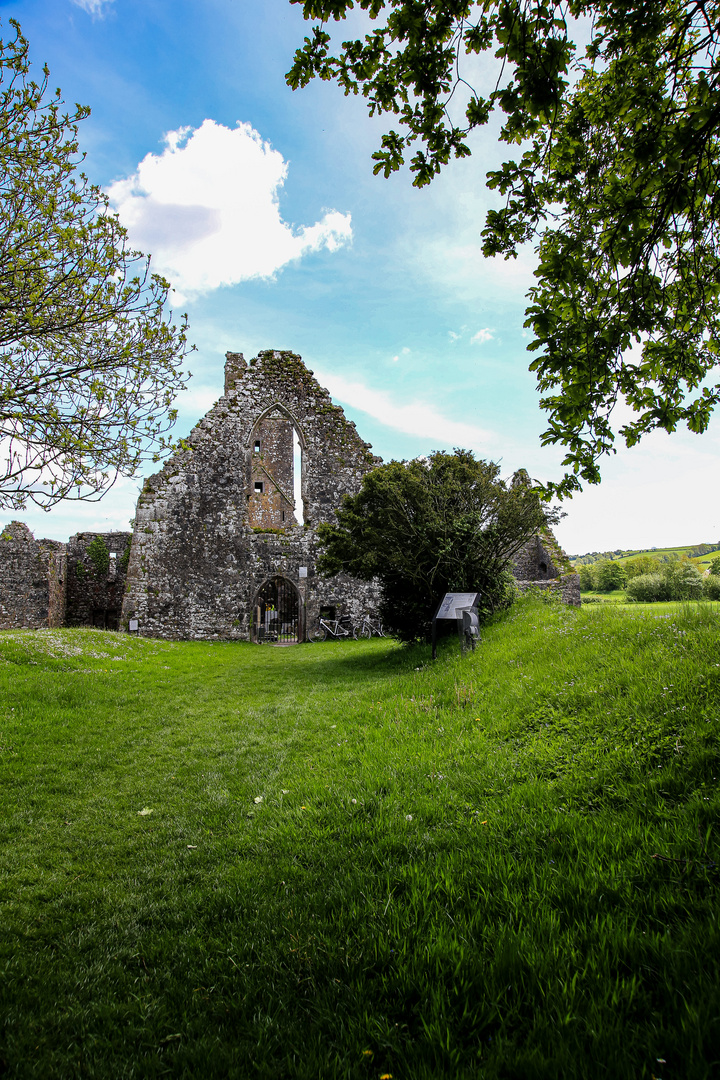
342,860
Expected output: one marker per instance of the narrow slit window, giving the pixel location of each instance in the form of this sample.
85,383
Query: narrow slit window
259,486
257,446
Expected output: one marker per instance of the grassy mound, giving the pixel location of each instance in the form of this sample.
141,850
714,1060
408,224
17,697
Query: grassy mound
342,860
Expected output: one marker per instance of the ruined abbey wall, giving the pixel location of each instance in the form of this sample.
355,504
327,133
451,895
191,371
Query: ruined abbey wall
209,527
96,579
32,579
542,564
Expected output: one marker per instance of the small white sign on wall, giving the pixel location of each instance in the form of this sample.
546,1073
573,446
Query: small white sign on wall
302,572
132,626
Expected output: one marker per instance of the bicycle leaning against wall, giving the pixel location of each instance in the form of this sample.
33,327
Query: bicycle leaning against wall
333,629
369,628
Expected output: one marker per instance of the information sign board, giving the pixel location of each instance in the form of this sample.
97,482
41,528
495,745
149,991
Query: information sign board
453,604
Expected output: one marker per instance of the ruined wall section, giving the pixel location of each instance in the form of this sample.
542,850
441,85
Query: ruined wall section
542,564
196,561
96,572
32,579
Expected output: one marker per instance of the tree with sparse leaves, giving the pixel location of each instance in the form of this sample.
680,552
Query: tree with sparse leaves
615,180
90,361
427,526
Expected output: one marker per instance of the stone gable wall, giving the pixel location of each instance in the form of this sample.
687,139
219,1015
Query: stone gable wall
197,562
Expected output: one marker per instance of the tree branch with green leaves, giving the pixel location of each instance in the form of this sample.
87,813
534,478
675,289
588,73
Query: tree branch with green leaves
615,181
90,360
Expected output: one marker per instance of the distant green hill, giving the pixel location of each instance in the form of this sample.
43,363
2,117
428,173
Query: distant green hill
701,554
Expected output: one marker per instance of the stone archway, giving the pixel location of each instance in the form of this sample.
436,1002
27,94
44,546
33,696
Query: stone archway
276,613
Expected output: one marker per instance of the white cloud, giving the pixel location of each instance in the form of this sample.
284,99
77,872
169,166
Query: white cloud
481,337
453,336
96,8
412,418
207,210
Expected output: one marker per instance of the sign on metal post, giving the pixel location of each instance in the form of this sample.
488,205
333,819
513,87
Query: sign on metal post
452,606
454,602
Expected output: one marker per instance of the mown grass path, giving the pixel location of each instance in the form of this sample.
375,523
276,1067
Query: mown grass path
339,860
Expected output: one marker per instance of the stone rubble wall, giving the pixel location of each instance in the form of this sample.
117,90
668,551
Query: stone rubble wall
95,598
540,559
31,579
567,585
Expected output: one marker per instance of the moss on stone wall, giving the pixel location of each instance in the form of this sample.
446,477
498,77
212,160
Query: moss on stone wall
99,555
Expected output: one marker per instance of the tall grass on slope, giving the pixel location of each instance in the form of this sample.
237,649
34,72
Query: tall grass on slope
340,860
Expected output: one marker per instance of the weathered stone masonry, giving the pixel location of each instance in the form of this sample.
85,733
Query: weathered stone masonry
96,585
32,579
217,523
542,564
47,583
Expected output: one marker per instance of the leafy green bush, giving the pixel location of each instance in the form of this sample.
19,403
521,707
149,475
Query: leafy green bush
648,589
587,577
715,567
678,580
443,523
609,575
687,583
643,564
711,587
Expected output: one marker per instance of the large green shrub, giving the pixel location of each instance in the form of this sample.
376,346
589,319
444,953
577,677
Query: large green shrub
643,564
587,577
687,583
100,555
609,575
711,586
648,588
447,522
678,580
715,567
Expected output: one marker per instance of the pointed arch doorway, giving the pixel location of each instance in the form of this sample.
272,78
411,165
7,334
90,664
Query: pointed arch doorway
276,613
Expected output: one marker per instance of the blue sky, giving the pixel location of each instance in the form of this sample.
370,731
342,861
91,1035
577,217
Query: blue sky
260,206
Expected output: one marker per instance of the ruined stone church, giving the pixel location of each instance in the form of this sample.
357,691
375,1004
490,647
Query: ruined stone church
224,543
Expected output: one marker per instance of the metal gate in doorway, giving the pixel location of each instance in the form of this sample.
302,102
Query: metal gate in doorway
276,612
